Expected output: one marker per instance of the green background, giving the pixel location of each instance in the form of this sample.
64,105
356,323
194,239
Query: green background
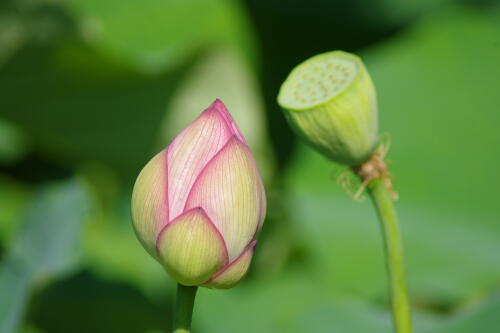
90,90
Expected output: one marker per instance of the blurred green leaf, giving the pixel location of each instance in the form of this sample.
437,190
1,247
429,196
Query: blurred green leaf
12,142
14,288
264,306
46,245
111,305
11,35
13,197
155,35
300,302
80,107
482,318
398,12
112,251
293,302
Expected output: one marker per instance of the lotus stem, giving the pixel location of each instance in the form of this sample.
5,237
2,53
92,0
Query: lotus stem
184,308
394,255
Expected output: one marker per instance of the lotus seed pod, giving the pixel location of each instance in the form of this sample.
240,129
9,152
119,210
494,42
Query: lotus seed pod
330,101
199,204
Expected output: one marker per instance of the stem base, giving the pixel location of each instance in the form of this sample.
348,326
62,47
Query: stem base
184,308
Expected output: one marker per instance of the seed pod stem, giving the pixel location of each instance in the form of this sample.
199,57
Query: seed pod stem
373,172
329,100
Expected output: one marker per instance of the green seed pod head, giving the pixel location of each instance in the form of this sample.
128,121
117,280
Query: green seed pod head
330,101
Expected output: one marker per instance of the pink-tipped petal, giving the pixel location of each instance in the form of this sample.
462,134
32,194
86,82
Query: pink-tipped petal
233,272
150,201
191,248
221,108
230,191
189,153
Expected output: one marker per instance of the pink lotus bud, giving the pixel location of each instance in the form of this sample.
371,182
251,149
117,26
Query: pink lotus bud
199,204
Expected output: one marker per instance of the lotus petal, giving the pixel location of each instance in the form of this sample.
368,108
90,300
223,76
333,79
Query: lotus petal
191,150
230,191
150,201
191,248
233,272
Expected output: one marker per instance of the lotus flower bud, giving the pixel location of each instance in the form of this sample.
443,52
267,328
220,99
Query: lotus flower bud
330,101
199,204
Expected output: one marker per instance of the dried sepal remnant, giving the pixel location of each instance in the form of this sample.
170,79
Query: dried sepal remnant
355,180
376,168
199,203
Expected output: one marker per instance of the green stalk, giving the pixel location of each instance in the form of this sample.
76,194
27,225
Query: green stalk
394,255
184,308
